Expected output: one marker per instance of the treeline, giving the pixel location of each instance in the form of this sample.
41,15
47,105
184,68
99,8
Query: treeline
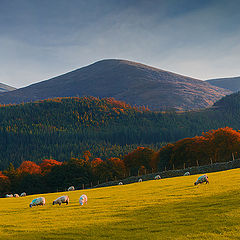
49,175
57,128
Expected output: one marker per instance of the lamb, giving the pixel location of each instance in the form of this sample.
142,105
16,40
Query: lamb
139,180
16,195
186,174
120,183
83,199
8,195
23,194
71,188
60,200
202,179
38,201
157,177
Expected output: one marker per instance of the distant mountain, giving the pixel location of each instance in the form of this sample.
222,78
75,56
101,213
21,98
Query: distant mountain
232,84
5,88
127,81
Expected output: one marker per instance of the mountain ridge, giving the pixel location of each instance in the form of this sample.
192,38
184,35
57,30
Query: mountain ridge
134,83
6,88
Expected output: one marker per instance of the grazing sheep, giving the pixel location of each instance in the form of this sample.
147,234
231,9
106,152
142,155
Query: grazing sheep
83,199
157,177
38,201
71,188
139,180
8,195
186,174
23,194
202,179
120,183
62,199
16,195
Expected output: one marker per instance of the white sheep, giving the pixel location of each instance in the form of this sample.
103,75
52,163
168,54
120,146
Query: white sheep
71,188
23,194
202,179
120,183
16,195
83,199
62,199
186,174
139,180
8,195
38,201
157,177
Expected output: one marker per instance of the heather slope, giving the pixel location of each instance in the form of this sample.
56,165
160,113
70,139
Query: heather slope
6,88
232,84
134,83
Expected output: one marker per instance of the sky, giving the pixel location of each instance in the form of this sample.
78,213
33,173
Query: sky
44,39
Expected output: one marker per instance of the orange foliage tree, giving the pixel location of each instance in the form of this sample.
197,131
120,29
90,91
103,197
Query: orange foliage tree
47,164
29,167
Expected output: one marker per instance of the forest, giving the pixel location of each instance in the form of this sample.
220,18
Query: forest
60,128
86,171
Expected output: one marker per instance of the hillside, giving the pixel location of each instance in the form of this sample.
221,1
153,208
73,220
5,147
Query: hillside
62,127
170,208
6,88
232,84
134,83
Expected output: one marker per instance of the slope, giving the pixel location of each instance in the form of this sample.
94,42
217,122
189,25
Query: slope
170,208
232,84
127,81
6,88
107,128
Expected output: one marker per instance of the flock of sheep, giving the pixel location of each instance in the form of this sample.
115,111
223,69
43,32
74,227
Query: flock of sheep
201,179
63,199
40,201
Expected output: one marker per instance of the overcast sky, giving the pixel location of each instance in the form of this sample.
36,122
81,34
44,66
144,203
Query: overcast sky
43,39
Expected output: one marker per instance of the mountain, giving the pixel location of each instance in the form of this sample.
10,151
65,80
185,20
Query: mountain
5,88
127,81
232,84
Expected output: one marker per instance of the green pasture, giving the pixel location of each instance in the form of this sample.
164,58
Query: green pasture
170,208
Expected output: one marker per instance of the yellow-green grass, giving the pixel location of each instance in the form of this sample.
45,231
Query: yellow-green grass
170,208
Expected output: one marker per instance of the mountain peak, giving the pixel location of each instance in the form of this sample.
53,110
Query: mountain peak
128,81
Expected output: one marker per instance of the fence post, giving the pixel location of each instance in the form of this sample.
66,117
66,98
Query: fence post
197,162
145,171
165,168
184,165
233,157
83,186
98,182
211,161
91,185
173,166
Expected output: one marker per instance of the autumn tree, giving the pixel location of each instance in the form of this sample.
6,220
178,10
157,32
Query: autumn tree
29,167
142,156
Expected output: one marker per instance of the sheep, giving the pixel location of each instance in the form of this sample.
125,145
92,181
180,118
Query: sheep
60,200
186,174
8,195
120,183
139,180
83,199
157,177
38,201
16,195
23,194
202,179
71,188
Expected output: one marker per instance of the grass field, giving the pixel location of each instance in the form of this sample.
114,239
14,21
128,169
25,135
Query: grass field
170,208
